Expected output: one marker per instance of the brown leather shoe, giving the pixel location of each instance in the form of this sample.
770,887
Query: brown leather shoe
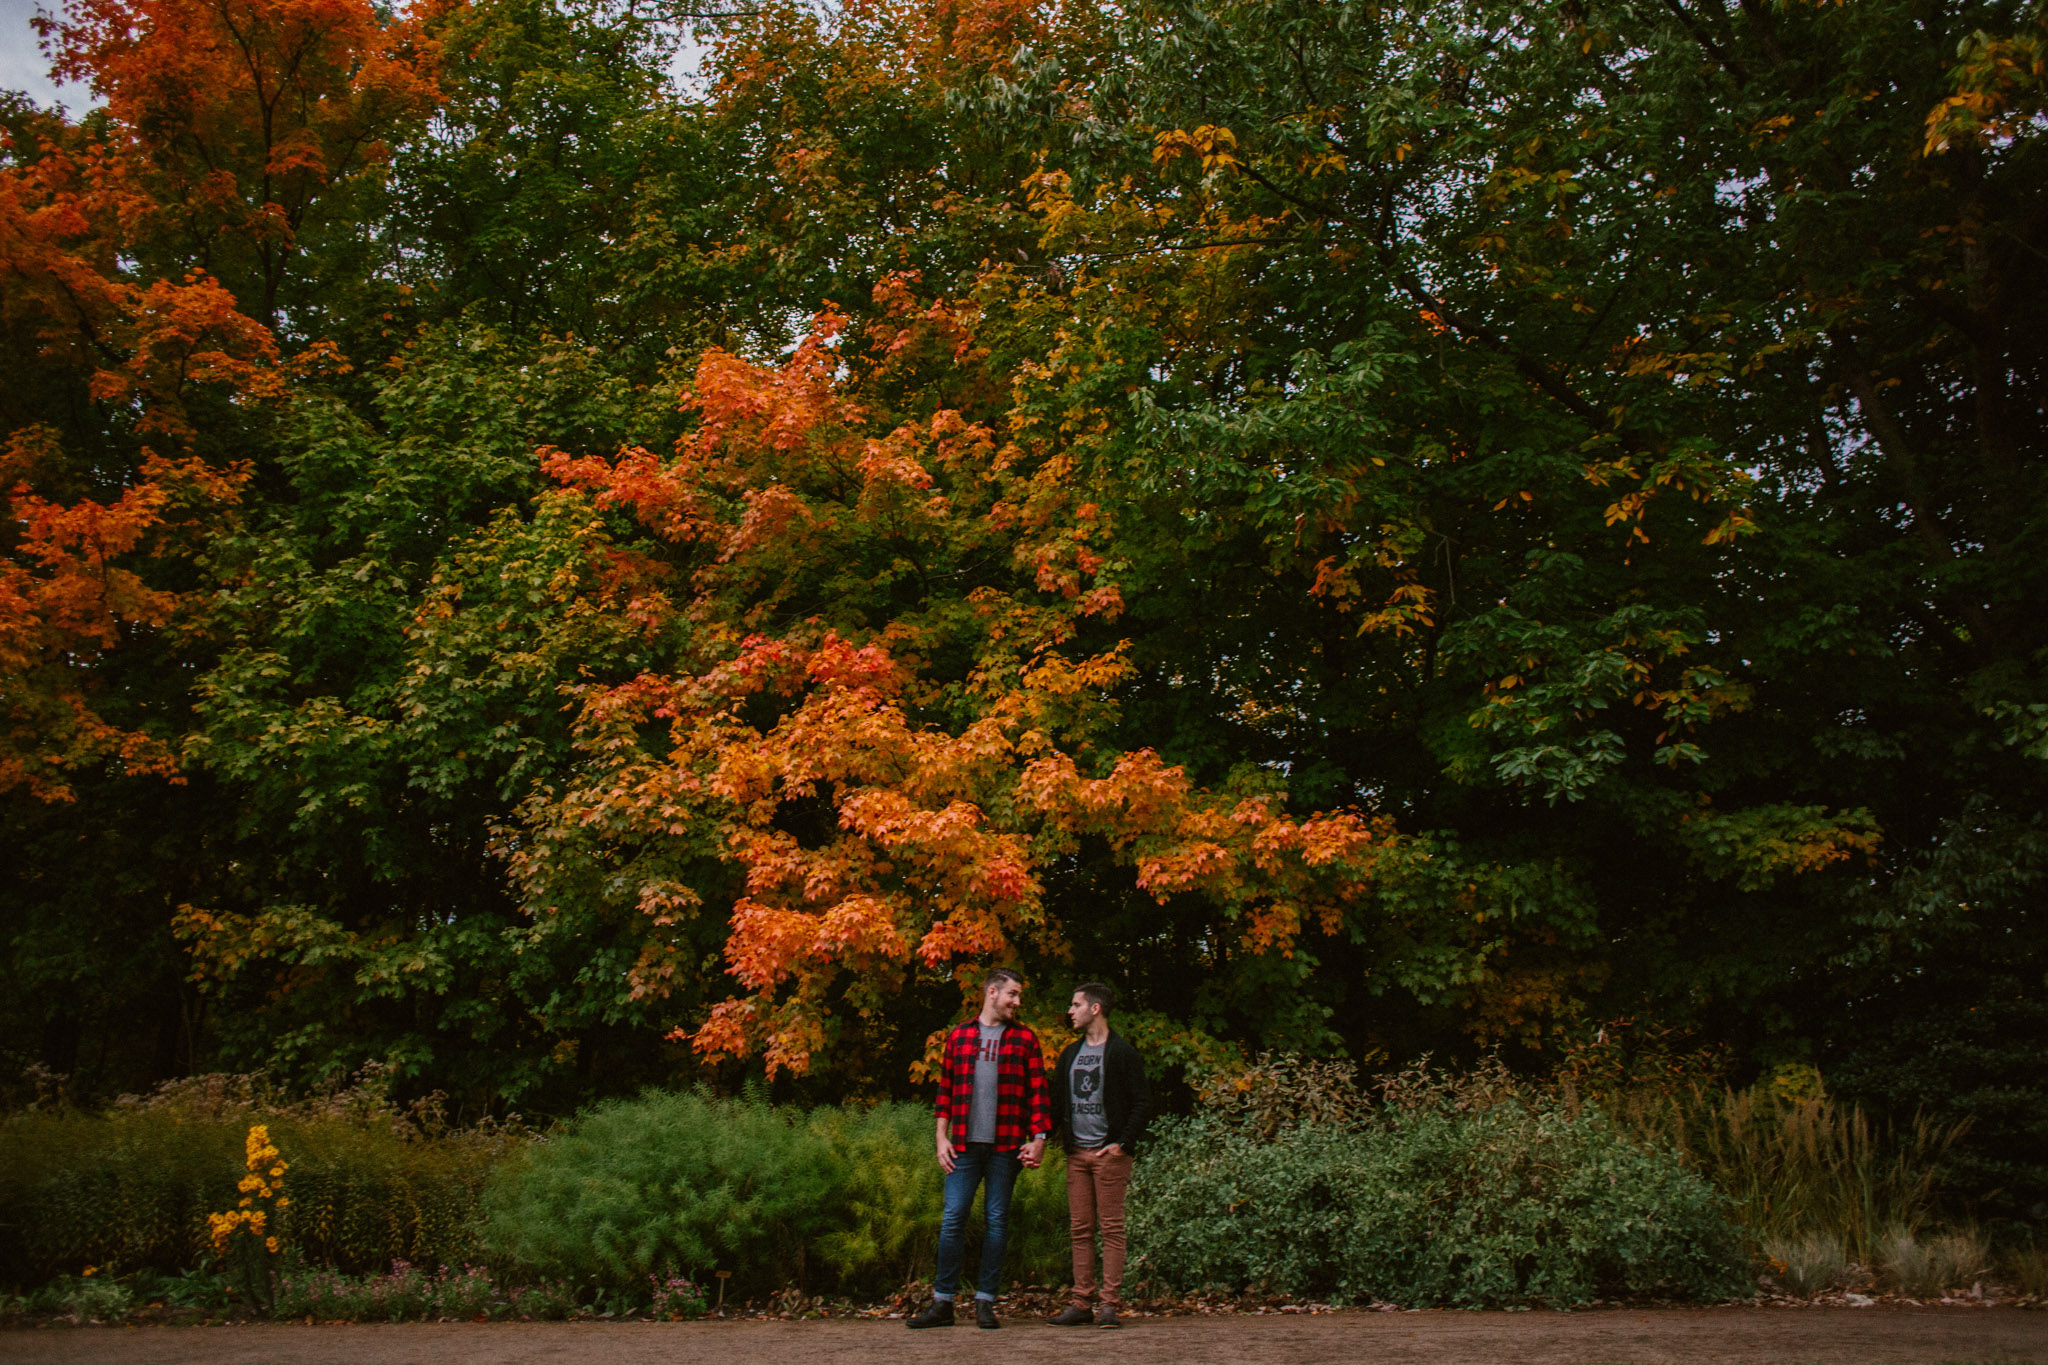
1074,1315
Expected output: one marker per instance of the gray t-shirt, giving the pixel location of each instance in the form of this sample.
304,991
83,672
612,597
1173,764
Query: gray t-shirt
981,1112
1084,1087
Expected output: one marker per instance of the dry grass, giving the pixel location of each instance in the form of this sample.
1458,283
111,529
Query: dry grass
2026,1269
1931,1266
1808,1264
1795,1168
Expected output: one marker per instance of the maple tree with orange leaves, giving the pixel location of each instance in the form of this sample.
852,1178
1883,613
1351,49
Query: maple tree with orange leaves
872,837
73,584
233,120
224,123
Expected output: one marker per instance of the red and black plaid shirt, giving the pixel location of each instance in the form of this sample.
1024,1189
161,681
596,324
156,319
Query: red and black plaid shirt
1023,1105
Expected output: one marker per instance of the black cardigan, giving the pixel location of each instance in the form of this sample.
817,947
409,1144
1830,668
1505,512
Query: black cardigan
1126,1095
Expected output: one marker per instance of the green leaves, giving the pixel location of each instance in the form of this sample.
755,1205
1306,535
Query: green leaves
1596,447
846,1199
1556,680
1487,1206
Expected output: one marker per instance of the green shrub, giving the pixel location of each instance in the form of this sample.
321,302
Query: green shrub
203,1288
122,1192
80,1298
364,1196
2025,1269
1464,1199
890,1196
130,1190
545,1302
888,1187
847,1199
1274,1092
665,1179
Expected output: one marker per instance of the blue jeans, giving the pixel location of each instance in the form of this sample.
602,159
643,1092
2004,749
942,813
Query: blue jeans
973,1163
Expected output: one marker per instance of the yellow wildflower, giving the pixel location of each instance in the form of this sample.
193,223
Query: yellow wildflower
262,1184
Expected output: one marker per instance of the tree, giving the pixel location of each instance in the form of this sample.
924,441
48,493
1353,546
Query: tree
231,121
101,458
1434,314
1399,529
880,704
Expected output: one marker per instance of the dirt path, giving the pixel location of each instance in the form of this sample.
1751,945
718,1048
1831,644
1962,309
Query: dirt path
1871,1336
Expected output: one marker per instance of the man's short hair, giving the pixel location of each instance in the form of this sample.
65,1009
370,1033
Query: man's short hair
997,975
1101,996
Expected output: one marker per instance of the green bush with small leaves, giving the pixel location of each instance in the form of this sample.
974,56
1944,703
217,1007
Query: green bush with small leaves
1450,1197
845,1199
668,1179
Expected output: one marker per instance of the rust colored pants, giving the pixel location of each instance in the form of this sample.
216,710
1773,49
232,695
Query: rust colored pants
1095,1202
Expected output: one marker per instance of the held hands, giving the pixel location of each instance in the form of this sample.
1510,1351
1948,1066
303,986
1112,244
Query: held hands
1031,1154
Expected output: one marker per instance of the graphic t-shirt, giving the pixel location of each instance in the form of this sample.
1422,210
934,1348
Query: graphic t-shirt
1084,1084
981,1111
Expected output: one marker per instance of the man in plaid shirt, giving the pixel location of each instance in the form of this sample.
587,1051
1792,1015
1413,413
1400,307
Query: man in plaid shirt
994,1115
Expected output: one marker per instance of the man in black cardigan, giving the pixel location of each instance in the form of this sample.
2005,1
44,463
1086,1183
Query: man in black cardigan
1101,1103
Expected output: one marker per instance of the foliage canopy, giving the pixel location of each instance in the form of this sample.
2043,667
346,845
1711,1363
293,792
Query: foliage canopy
1370,525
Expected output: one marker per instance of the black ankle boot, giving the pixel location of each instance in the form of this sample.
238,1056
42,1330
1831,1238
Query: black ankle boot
940,1314
985,1314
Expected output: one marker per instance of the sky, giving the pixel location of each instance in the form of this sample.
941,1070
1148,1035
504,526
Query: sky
22,64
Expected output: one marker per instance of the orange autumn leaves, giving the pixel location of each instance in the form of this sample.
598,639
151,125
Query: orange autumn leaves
224,121
189,77
65,596
231,118
73,583
886,814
